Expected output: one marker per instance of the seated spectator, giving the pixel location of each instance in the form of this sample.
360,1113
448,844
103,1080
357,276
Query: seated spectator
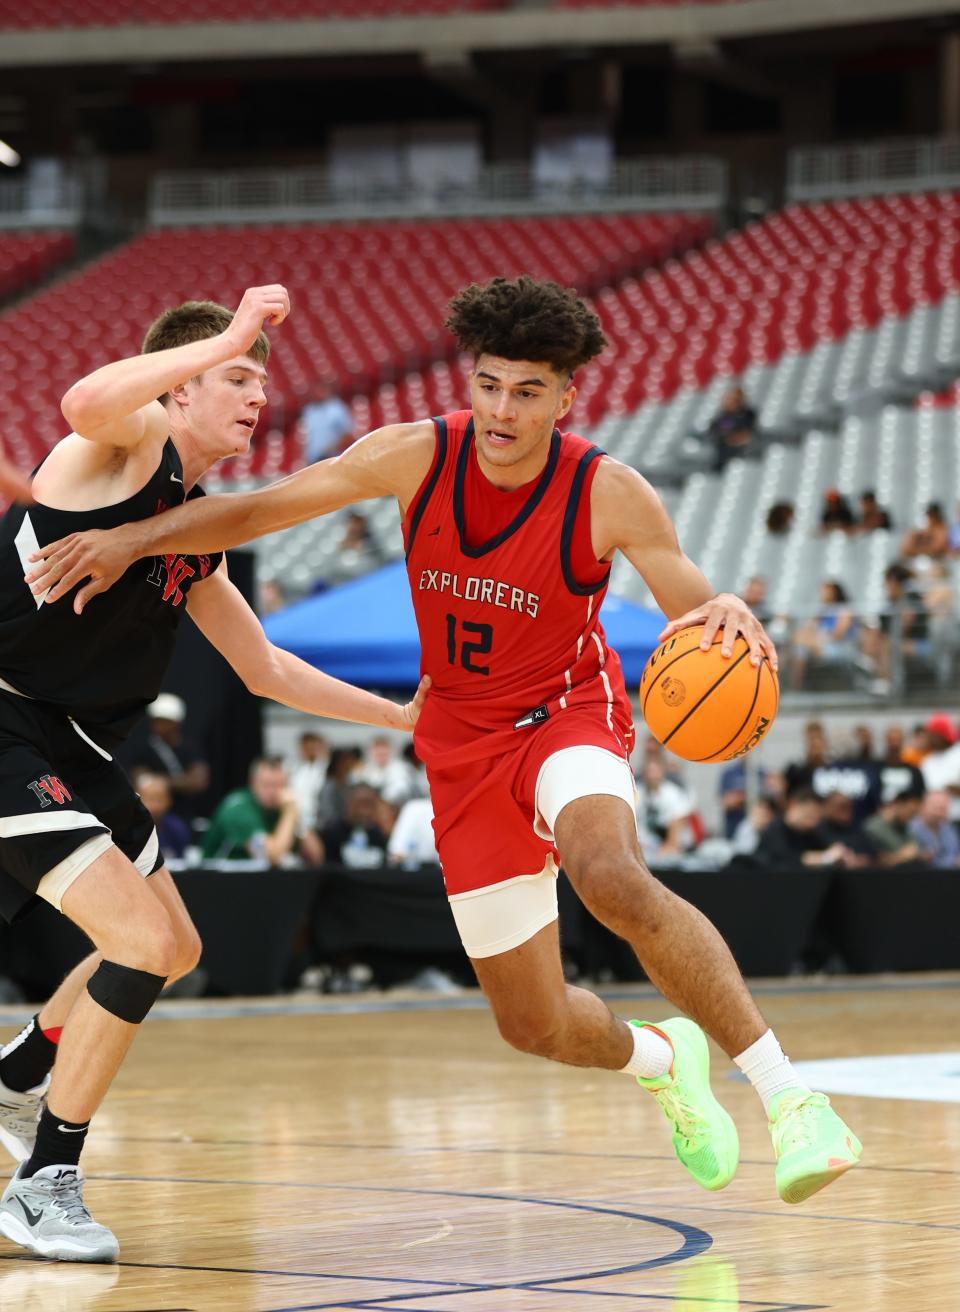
168,751
412,840
383,770
341,768
749,832
326,422
872,514
755,595
890,828
271,598
825,774
664,812
308,775
780,518
830,637
260,822
358,840
941,762
863,749
416,771
733,794
358,551
932,538
798,838
157,796
733,428
903,629
840,825
799,774
837,513
934,832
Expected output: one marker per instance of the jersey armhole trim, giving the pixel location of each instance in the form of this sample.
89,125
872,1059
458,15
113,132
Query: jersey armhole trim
569,522
428,488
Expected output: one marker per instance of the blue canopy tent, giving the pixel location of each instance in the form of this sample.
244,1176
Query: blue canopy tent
365,631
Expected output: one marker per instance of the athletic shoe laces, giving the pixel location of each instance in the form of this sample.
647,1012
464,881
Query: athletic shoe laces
69,1200
685,1115
796,1123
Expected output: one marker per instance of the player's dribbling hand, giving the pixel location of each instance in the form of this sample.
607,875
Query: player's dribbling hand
258,306
99,555
410,713
735,617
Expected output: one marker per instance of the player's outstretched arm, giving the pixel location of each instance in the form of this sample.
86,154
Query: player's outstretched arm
633,519
392,461
218,609
117,405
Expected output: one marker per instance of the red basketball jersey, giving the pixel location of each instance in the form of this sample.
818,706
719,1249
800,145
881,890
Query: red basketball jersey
508,634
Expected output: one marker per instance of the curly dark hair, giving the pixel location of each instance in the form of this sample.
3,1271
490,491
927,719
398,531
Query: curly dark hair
523,319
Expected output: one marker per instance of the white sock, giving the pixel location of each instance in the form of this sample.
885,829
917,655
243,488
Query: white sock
652,1053
767,1069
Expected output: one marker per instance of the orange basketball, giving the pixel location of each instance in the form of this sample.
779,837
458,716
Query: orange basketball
704,706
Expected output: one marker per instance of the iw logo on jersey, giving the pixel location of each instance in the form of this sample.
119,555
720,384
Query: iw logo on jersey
169,572
49,789
473,588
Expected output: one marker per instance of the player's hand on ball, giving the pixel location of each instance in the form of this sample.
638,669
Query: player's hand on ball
99,555
410,713
735,617
259,305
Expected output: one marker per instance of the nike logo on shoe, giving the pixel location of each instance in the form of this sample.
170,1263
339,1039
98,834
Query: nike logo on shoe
33,1217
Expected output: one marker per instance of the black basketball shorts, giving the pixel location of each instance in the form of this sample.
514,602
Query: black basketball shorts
63,801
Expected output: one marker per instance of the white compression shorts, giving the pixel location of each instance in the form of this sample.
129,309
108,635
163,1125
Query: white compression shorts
502,916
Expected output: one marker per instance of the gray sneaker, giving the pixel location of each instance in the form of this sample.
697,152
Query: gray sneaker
19,1114
46,1213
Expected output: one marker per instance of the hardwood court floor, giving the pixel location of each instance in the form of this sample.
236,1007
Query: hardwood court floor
345,1156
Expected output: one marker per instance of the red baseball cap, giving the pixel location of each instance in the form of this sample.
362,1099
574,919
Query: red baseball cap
943,725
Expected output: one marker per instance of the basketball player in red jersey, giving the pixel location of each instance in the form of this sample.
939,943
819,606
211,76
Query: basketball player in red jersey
510,527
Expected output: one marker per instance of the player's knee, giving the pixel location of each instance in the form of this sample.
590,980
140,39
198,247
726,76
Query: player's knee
124,991
535,1032
150,944
620,891
189,949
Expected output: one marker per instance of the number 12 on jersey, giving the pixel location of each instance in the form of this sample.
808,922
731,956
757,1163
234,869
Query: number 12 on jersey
480,644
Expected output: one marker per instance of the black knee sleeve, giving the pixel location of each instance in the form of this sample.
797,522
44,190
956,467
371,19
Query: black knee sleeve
124,992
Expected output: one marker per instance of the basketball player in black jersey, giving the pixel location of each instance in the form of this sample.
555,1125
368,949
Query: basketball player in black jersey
72,830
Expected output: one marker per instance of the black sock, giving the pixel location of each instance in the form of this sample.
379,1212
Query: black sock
59,1143
27,1060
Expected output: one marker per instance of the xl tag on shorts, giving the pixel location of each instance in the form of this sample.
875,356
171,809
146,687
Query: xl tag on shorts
536,716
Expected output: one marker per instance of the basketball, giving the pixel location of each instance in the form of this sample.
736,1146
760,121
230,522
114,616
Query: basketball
702,705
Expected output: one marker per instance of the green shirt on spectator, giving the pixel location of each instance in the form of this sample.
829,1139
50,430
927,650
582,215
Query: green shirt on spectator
238,828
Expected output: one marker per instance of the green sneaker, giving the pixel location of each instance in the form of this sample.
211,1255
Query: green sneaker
812,1144
704,1136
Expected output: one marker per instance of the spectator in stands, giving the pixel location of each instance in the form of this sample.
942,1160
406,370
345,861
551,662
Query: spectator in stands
358,551
829,638
755,595
780,518
342,766
932,538
941,762
412,841
271,598
903,628
890,828
748,834
156,794
664,811
872,514
837,513
898,774
820,772
798,838
841,826
358,839
260,822
933,831
327,424
383,770
416,771
733,428
308,775
863,748
168,751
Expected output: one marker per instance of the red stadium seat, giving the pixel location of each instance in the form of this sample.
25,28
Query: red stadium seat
112,13
26,257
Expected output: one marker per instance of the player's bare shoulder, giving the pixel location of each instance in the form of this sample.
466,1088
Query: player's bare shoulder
624,507
80,474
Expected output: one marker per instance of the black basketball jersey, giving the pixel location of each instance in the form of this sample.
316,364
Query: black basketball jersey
104,666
